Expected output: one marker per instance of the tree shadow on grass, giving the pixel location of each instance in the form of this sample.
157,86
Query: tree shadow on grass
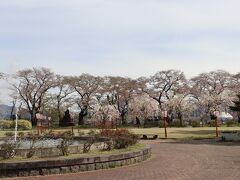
199,132
212,141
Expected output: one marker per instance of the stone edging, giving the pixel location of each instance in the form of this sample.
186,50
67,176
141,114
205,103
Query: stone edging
62,166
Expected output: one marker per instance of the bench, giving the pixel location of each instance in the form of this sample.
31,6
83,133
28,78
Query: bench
149,136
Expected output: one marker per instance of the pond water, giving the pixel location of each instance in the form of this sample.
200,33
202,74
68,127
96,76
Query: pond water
44,143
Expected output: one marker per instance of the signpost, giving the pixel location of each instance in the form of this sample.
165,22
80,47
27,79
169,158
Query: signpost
42,123
165,119
16,125
39,123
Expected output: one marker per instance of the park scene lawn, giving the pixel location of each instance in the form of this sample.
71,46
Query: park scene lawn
173,133
120,90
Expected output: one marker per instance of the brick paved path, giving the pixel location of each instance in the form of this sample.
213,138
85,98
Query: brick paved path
175,161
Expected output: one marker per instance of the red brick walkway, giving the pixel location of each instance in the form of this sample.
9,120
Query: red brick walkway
175,161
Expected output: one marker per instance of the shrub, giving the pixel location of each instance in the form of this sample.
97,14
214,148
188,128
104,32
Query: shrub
33,139
66,142
107,132
105,124
108,145
24,125
6,124
195,123
121,138
88,144
94,136
21,134
230,123
121,142
9,134
9,149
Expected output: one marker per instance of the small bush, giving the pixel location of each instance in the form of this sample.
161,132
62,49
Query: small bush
33,138
121,138
24,125
9,134
230,123
108,145
21,134
195,123
107,132
105,124
9,149
88,144
6,124
66,142
94,136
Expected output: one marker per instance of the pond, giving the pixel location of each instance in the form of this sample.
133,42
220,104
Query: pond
44,143
50,147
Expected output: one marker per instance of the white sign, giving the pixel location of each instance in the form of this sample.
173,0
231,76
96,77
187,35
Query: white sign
165,114
216,113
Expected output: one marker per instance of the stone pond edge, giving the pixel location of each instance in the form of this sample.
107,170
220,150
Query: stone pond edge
72,165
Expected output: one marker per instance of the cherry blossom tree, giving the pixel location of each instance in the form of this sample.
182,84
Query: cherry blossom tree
105,115
142,107
163,86
85,87
32,86
211,91
61,98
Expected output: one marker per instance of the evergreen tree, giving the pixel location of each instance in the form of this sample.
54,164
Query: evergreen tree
67,120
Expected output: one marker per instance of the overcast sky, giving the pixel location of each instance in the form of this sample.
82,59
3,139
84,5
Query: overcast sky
120,37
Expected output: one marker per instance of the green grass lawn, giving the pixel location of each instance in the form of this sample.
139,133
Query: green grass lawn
173,133
183,133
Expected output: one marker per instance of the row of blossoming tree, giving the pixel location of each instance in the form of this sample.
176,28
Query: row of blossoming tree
92,98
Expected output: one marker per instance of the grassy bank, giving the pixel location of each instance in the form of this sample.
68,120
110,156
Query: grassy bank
173,133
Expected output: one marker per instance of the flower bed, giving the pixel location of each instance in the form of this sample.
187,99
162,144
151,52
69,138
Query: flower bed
72,165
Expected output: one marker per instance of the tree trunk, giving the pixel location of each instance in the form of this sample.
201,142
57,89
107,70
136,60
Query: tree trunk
82,114
123,119
33,118
80,119
138,123
12,109
179,114
181,120
59,115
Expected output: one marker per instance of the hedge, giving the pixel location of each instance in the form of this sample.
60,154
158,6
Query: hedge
22,124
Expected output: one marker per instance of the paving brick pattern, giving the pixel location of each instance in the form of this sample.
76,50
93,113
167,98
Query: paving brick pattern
172,161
